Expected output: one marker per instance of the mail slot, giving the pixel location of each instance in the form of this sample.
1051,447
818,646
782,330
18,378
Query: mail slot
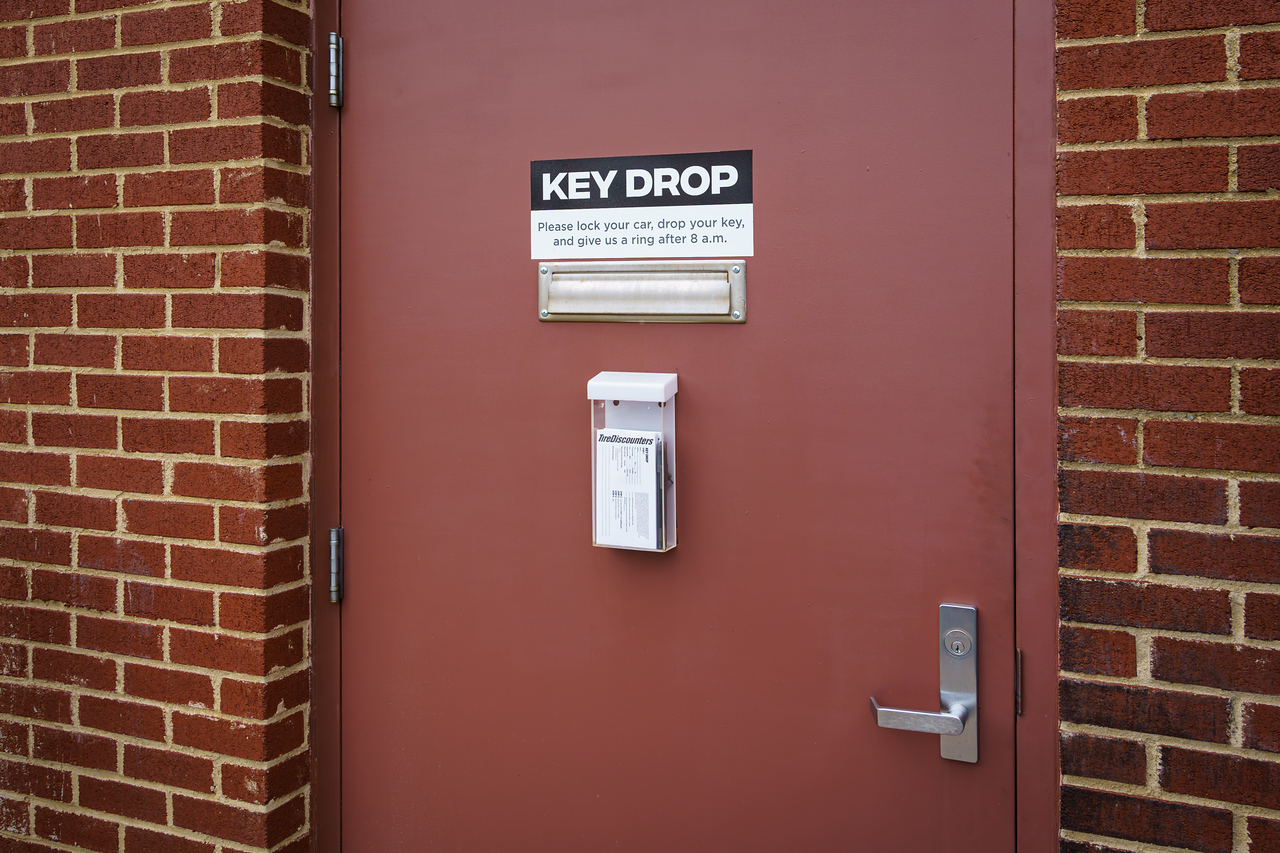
643,291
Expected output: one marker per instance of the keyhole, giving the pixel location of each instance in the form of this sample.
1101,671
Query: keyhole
957,647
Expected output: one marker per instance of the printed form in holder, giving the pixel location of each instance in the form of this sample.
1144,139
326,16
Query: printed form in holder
628,482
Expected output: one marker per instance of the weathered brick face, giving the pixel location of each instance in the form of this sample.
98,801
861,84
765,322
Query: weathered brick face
1169,353
154,394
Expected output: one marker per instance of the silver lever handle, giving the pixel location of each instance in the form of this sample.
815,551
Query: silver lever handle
957,687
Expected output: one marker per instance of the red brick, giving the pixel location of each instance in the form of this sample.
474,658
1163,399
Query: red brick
1219,114
30,310
67,114
79,270
265,16
41,469
120,474
1095,652
1197,59
120,311
34,78
193,186
1259,56
76,36
1213,335
164,518
1221,665
1262,616
1143,170
13,42
13,423
1108,440
39,703
13,119
1229,778
240,396
1187,444
263,613
1260,504
249,656
35,232
36,546
169,603
14,817
187,270
142,435
263,355
1145,605
120,71
183,23
253,741
1141,709
14,352
1214,225
13,195
124,718
13,586
1191,15
1147,496
1088,18
169,768
235,227
237,59
1259,167
120,391
80,831
237,311
251,99
253,570
233,142
1093,548
13,664
1141,819
13,507
258,526
264,441
1096,757
129,149
150,107
251,828
76,748
63,510
1264,834
100,5
38,387
76,350
70,668
237,482
265,269
1261,727
168,685
1260,281
167,353
33,781
120,229
261,785
260,700
133,639
75,193
262,183
1097,332
139,840
1231,557
123,798
14,271
1169,388
122,555
1096,226
35,624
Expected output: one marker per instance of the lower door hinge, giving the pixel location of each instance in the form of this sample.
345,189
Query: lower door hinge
335,565
1017,682
335,70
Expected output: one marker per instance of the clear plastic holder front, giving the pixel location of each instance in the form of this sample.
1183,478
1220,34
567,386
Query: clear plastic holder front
633,474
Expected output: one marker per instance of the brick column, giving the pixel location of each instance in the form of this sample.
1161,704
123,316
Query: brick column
154,314
1169,289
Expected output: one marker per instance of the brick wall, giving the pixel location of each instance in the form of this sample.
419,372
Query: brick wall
153,425
1169,342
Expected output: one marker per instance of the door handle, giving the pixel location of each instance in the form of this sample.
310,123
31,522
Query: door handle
957,721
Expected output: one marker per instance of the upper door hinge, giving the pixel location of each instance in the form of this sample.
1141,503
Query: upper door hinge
335,70
335,565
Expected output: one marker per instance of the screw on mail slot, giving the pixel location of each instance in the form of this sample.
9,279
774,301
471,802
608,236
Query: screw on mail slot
643,291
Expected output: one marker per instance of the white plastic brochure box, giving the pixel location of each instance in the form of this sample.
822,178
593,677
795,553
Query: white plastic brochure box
633,460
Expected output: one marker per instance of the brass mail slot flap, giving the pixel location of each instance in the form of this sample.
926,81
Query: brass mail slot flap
643,291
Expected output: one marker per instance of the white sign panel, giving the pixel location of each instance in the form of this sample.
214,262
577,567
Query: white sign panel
665,206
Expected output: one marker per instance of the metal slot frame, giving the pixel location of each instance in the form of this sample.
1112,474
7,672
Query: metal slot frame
633,272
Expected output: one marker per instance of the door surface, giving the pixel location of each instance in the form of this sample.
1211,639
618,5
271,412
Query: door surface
845,457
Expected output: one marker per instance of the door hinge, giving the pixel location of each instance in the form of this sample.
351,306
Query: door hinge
1017,682
335,565
335,70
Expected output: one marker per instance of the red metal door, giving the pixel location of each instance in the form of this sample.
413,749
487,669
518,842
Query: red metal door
845,456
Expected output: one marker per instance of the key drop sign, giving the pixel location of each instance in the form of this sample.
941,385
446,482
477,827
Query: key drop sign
662,206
